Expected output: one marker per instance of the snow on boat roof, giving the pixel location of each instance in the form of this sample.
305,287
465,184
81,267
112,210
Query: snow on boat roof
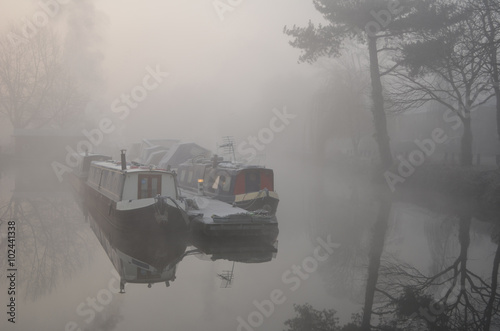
225,164
215,208
131,167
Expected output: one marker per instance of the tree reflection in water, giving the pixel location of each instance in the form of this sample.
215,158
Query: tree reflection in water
457,292
52,241
405,298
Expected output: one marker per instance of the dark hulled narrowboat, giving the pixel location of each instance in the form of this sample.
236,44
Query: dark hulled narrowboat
131,195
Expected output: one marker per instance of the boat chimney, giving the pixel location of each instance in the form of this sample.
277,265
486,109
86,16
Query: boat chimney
124,159
214,161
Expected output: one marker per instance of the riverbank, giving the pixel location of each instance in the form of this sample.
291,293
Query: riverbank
474,190
471,191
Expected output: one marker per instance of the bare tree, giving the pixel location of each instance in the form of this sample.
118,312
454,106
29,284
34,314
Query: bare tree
36,90
447,66
487,13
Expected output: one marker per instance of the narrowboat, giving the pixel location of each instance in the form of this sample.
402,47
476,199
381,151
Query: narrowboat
79,175
245,186
133,195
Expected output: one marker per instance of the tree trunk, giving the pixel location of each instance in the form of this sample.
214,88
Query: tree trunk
377,247
492,47
378,110
494,286
497,94
464,239
466,143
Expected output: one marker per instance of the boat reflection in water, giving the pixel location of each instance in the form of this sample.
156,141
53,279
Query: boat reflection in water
140,256
151,255
245,251
241,250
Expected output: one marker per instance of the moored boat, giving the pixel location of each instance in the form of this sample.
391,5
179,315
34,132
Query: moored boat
216,219
250,187
79,175
132,195
246,186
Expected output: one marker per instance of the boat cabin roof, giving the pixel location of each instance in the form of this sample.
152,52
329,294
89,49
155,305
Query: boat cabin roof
227,165
131,167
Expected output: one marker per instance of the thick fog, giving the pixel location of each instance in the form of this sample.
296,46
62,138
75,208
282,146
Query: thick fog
379,120
220,75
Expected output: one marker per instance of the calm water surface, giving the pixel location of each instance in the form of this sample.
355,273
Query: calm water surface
66,278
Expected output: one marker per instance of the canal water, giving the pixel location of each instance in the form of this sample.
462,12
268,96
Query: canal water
65,259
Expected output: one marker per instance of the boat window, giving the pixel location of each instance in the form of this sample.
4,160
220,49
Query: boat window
154,186
109,178
221,184
149,186
143,188
95,175
92,174
226,183
103,178
210,179
190,176
216,183
116,185
183,175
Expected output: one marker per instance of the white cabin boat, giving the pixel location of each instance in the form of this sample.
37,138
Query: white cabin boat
134,195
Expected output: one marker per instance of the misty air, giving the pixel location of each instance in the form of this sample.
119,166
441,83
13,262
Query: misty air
298,165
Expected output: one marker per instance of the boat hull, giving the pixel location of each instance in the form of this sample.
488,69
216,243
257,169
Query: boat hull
262,200
145,217
248,227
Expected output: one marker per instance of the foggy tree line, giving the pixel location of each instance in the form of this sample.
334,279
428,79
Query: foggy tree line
443,51
37,88
417,52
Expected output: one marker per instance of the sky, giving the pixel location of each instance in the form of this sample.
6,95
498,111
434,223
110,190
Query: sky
223,70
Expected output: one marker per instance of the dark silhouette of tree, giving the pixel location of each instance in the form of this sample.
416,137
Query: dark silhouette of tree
363,21
455,298
379,232
487,14
310,319
444,64
494,299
